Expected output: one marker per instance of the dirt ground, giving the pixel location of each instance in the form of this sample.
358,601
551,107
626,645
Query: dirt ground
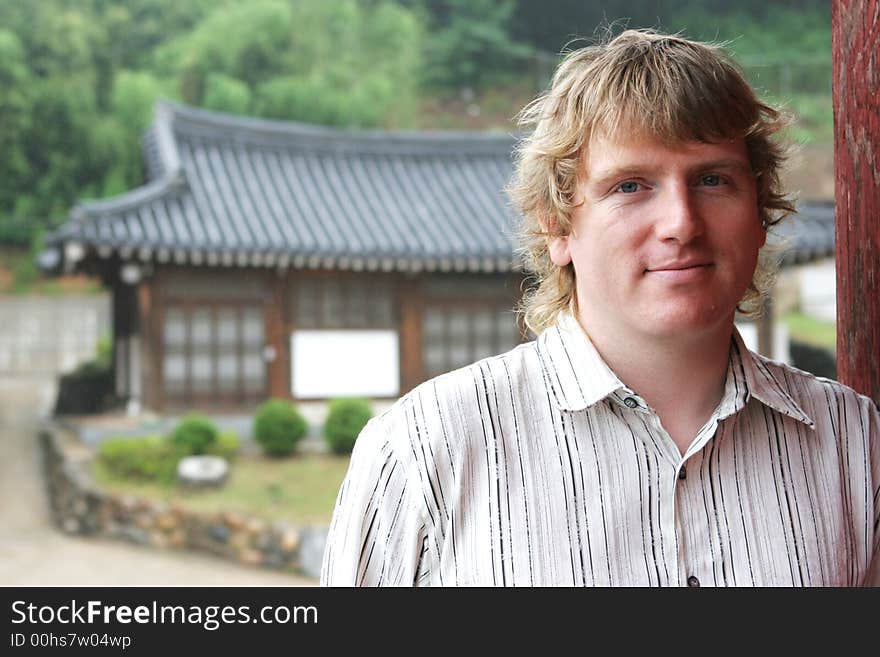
34,553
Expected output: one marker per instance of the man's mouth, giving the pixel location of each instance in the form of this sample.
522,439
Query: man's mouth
681,271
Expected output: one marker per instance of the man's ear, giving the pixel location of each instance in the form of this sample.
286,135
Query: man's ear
557,245
558,249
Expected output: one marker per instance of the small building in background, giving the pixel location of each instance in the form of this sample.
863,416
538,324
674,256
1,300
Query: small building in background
275,259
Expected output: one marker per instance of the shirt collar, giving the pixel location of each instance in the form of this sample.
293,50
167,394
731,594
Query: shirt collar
578,377
759,381
573,369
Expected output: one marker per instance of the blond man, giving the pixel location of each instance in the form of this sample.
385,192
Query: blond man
636,441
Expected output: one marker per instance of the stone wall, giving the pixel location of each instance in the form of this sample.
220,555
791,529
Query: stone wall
78,506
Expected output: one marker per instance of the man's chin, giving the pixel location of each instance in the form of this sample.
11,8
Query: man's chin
686,323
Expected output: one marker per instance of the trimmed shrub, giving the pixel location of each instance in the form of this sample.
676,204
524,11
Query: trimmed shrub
278,427
195,435
345,420
143,457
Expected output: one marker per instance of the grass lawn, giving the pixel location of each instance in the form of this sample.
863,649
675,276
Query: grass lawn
812,331
299,489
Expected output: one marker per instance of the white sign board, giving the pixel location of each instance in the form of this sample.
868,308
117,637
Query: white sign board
344,364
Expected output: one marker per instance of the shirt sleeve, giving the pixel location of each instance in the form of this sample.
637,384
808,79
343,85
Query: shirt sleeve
873,576
377,530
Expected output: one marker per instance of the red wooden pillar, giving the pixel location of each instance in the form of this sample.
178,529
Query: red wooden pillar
856,80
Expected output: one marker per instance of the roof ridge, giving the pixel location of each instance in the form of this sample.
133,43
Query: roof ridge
163,133
201,122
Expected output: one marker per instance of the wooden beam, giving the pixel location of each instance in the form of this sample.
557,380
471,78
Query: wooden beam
856,79
276,337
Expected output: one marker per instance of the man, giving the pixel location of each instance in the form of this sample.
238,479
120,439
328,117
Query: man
636,442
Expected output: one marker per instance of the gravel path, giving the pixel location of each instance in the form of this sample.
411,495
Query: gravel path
34,553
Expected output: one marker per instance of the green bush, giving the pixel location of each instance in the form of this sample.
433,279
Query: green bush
345,420
228,446
278,427
195,434
143,457
154,457
104,352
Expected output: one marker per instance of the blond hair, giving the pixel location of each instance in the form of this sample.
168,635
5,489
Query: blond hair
663,86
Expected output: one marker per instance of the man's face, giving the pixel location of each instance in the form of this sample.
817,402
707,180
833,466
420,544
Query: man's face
666,240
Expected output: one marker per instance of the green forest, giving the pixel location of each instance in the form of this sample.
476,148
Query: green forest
80,77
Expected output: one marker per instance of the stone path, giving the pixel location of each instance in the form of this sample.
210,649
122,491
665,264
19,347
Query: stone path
34,553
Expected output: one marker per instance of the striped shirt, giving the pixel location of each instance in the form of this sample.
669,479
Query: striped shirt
539,467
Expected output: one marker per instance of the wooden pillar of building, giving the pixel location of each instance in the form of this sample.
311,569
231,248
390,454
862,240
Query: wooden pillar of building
277,342
124,301
856,79
411,357
135,353
151,316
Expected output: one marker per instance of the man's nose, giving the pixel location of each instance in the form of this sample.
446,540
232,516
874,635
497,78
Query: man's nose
679,218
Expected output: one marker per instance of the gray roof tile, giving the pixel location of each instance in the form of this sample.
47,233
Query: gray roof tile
249,187
808,235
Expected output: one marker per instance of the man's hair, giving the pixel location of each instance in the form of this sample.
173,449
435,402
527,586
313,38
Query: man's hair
640,83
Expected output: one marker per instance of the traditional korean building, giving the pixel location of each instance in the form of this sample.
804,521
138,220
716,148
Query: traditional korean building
266,258
275,259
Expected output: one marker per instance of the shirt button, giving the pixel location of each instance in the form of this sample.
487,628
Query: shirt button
630,402
682,472
693,582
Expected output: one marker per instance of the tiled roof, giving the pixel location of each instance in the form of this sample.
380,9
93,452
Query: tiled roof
242,191
808,235
236,191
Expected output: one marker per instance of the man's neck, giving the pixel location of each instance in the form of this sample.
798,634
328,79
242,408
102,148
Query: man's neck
682,379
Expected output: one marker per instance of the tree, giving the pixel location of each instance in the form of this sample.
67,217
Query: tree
14,121
344,63
473,46
242,41
226,94
14,118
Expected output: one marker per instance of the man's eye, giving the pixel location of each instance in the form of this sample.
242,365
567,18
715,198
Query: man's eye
628,187
711,180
